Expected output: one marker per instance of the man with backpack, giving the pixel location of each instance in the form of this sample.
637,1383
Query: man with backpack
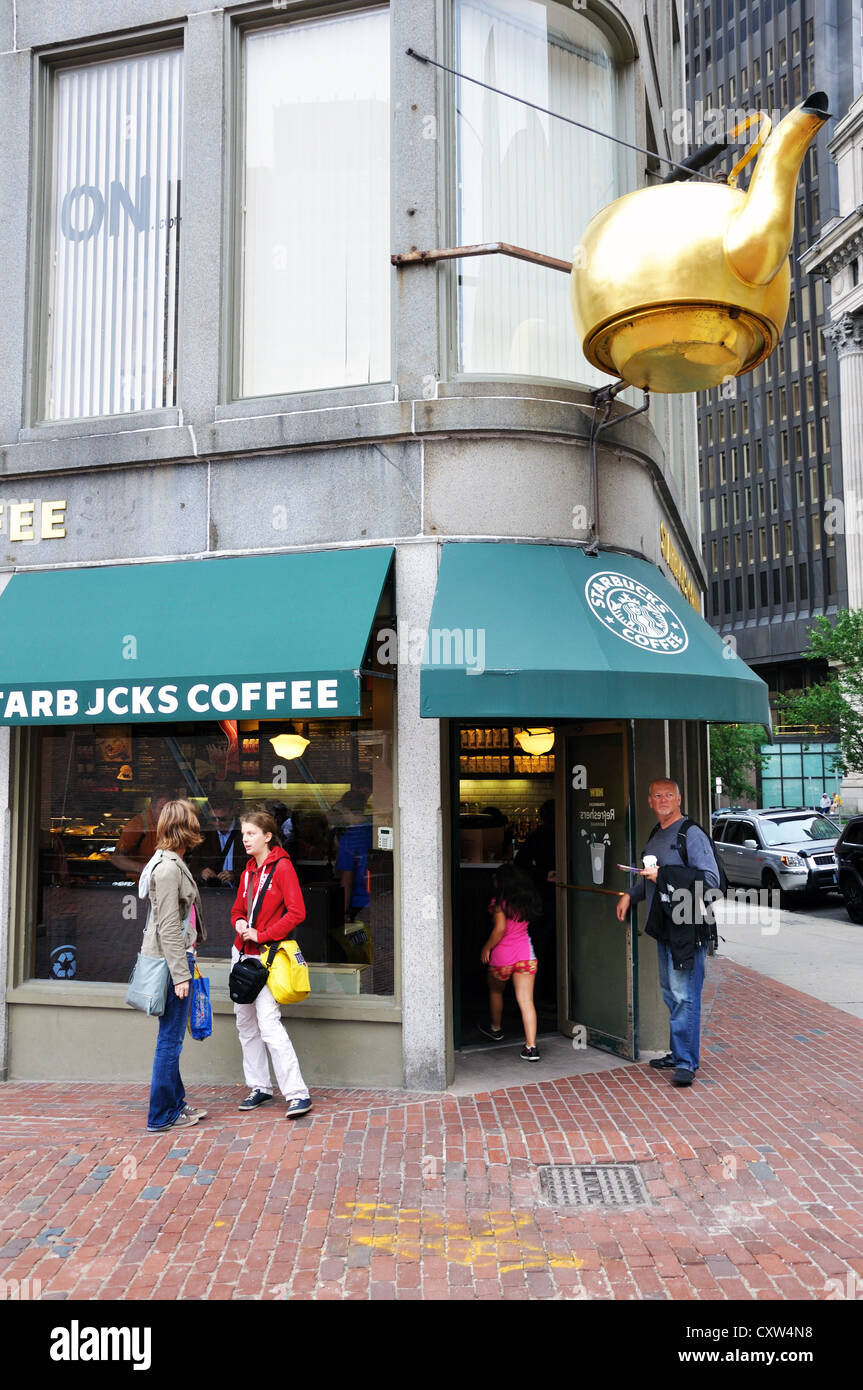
680,869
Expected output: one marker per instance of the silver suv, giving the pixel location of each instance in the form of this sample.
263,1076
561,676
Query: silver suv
779,848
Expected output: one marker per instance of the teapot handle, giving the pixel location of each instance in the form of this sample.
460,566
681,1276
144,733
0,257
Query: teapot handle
766,127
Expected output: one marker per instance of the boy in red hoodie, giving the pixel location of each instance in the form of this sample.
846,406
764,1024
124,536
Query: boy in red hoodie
268,906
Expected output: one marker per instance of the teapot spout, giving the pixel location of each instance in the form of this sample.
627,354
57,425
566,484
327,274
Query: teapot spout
759,236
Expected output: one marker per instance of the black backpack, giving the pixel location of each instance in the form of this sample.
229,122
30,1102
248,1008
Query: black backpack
681,850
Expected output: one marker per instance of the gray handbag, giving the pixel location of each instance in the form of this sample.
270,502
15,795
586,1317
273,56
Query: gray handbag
148,985
151,978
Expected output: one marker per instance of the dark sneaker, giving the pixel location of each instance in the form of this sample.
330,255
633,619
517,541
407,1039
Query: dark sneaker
682,1077
190,1110
255,1098
298,1107
529,1054
496,1034
662,1062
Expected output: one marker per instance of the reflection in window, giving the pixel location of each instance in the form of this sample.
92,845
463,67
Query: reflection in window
316,237
528,179
102,788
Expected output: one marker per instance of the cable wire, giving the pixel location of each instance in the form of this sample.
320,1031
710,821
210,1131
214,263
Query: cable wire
651,154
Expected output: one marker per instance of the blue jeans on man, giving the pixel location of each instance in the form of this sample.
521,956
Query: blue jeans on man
681,990
167,1093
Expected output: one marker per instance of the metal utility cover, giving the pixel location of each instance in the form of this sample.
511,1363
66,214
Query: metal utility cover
592,1185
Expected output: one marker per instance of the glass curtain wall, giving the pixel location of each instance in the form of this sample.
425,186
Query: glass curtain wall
798,774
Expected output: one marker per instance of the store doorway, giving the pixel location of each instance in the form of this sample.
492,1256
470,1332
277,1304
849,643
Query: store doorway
504,809
596,953
563,811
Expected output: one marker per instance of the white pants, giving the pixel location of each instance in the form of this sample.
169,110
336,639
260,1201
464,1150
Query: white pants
260,1027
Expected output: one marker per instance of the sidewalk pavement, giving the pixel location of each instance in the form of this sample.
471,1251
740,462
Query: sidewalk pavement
755,1178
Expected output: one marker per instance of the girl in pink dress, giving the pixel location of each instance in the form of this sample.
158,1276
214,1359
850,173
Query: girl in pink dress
508,953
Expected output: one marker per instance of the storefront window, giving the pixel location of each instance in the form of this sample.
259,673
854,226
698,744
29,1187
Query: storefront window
315,274
528,179
113,286
101,788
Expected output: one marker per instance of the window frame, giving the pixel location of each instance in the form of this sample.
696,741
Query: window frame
617,32
46,66
230,400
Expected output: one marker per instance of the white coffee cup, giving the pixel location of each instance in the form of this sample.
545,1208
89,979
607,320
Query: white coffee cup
650,861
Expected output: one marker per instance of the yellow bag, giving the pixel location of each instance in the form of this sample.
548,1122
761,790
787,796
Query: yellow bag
288,980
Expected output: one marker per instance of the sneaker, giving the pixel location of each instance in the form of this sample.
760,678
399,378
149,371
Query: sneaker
183,1121
298,1107
661,1063
256,1097
682,1077
529,1054
496,1034
198,1114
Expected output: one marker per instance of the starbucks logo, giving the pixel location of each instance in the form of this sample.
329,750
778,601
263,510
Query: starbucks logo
635,613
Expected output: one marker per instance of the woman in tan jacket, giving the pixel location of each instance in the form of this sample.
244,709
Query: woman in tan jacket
176,922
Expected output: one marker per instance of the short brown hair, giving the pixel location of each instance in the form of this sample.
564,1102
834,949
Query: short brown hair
178,828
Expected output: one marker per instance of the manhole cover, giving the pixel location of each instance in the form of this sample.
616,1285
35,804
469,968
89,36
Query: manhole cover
592,1185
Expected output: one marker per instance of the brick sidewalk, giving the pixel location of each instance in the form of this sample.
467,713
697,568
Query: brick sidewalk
755,1176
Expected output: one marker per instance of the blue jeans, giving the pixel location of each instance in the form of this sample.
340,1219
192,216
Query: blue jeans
681,990
167,1093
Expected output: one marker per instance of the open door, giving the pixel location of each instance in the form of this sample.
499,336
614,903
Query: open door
597,953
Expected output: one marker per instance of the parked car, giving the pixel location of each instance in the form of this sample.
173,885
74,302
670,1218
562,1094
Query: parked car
780,848
849,857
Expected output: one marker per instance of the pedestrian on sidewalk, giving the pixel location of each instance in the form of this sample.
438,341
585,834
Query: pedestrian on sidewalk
175,924
509,954
268,907
681,945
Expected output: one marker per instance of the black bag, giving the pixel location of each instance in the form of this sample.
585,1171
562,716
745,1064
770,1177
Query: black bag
713,937
249,975
247,979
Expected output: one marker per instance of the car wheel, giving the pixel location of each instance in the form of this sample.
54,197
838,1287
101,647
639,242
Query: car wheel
772,884
852,892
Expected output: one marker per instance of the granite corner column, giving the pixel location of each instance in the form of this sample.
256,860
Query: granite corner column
424,938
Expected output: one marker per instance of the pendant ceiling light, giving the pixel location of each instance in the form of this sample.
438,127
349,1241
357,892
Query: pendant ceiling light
535,741
289,744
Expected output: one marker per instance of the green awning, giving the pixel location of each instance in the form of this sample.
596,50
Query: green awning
258,637
522,631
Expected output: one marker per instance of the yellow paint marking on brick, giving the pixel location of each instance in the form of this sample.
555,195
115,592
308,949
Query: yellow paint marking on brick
430,1234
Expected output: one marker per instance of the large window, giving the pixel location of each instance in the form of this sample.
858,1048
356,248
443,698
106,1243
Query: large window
315,273
529,179
102,787
110,326
796,774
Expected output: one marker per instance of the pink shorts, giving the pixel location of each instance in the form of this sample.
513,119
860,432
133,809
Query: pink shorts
519,967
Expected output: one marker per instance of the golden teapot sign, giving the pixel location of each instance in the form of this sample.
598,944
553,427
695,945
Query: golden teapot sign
684,284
